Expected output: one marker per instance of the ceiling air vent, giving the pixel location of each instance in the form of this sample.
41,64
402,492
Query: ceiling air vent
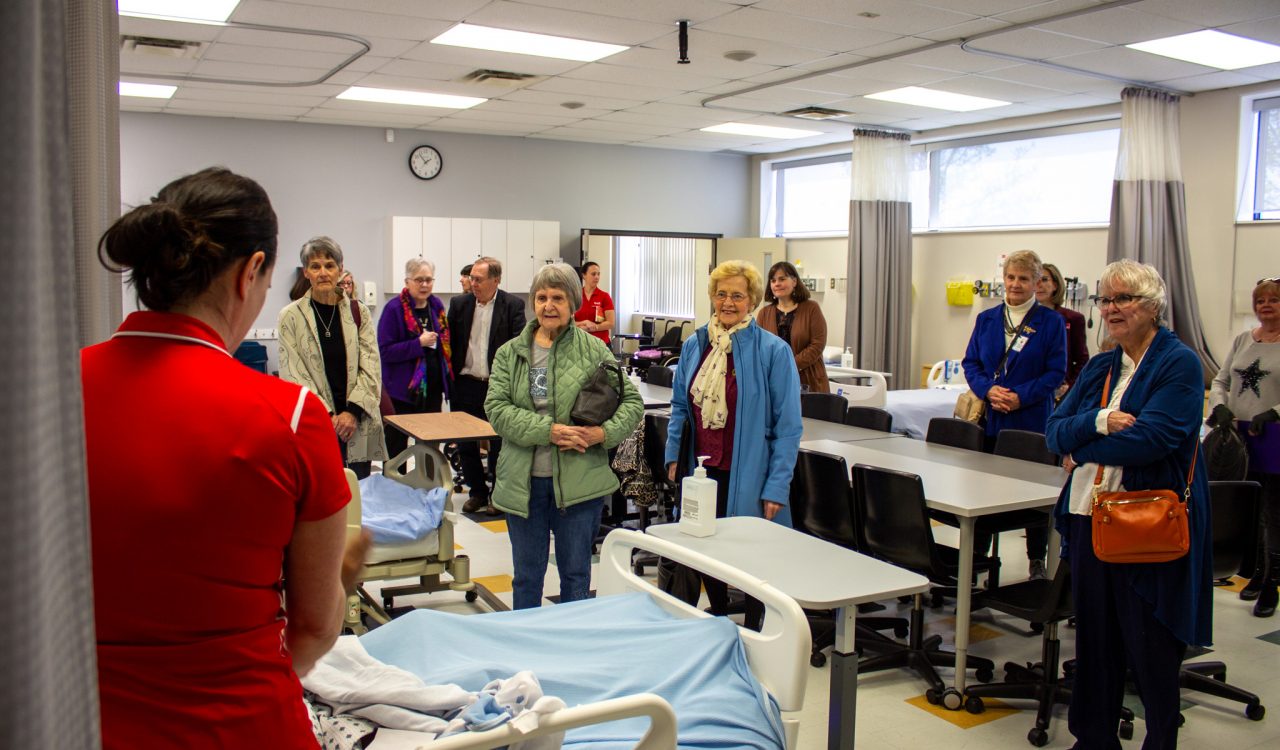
504,78
159,47
817,113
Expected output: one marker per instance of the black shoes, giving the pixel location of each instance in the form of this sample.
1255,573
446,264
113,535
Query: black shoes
480,505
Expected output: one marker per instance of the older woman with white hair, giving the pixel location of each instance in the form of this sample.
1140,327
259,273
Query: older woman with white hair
736,399
1132,422
553,475
413,340
323,348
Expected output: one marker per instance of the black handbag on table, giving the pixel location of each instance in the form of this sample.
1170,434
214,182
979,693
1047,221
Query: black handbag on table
598,399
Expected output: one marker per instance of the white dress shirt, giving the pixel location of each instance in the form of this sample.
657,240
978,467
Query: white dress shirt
477,361
1082,478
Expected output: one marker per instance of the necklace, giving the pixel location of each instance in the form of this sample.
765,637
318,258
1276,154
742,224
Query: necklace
328,327
1263,337
1009,328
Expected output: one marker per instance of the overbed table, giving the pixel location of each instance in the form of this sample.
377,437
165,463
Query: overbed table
655,396
967,484
445,427
793,562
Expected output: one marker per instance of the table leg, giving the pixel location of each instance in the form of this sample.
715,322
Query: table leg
844,682
1055,551
964,593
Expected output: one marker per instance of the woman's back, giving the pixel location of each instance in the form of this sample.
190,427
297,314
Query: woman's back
198,470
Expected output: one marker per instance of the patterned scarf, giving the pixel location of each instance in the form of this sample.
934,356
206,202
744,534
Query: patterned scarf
708,384
438,325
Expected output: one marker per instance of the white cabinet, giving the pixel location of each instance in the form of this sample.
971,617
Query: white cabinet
521,245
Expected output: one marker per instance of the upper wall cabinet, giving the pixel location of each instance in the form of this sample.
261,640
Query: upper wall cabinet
521,245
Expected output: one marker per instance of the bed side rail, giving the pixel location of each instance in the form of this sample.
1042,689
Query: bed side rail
661,734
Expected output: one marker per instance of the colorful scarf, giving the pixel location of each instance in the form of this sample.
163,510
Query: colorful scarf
708,384
440,327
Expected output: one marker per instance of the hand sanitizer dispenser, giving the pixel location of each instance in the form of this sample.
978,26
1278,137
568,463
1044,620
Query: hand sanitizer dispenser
846,359
698,503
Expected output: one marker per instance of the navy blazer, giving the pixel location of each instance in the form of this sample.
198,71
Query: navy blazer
1033,373
507,323
1166,396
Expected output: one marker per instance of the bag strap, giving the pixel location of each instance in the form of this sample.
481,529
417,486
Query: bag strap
355,312
1014,340
1097,479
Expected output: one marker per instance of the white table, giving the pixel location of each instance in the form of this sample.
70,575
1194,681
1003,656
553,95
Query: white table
788,560
654,396
965,483
913,409
820,429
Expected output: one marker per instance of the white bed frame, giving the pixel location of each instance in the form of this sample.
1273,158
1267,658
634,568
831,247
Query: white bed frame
388,561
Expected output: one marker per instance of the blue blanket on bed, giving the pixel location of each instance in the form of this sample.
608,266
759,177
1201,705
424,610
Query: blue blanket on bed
597,649
395,512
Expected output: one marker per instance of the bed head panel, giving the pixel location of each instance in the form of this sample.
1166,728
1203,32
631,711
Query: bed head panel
778,654
430,467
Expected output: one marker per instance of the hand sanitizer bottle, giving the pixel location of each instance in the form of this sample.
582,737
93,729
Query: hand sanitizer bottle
698,503
846,359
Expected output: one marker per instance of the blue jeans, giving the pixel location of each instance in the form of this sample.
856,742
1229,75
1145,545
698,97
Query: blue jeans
575,532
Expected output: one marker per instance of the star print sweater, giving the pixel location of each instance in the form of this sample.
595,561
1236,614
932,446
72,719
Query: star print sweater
1249,381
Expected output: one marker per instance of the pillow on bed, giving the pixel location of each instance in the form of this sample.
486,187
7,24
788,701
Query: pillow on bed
394,512
593,650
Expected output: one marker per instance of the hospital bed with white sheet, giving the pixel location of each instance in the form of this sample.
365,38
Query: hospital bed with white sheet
728,687
425,558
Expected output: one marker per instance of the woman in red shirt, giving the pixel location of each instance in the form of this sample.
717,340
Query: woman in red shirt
596,314
216,493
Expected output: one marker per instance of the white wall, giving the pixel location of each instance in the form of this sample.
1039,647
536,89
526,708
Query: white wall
345,181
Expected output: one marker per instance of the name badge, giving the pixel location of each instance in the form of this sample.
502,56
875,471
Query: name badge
1018,343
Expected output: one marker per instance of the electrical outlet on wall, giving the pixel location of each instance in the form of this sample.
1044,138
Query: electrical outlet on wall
370,293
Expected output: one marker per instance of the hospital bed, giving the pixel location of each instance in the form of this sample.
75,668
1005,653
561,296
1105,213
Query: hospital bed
728,687
425,558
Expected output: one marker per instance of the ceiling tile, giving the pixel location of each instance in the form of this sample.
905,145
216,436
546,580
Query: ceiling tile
571,23
709,45
760,24
504,127
1077,101
1133,65
555,99
899,72
1120,26
274,56
234,109
701,118
996,89
711,66
306,40
247,95
1038,75
894,16
654,11
1031,12
634,129
1211,81
495,111
190,32
428,71
983,7
477,58
348,21
250,72
1036,44
1212,14
616,90
671,76
447,10
955,59
339,110
1264,30
135,67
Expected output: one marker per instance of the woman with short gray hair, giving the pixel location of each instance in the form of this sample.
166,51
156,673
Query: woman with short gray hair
1132,422
327,344
414,342
553,475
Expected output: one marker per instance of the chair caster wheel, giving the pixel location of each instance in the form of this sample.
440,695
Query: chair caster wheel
1126,730
472,595
984,675
900,631
387,603
933,696
1255,711
1038,737
1037,627
818,659
952,699
974,705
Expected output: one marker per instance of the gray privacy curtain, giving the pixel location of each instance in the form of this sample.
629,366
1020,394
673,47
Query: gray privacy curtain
878,310
49,693
1149,210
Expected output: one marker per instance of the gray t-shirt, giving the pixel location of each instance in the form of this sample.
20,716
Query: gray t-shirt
1249,381
543,455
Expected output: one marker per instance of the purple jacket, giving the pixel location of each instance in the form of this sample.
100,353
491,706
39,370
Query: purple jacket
400,351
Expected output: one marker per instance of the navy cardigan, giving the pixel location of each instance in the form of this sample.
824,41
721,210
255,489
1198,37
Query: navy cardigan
1033,373
1166,396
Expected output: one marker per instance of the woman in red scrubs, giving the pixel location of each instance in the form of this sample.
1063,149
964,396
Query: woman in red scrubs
596,314
216,493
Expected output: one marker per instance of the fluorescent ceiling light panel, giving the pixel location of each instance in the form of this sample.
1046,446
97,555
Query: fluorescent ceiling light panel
935,99
414,98
764,131
146,90
525,43
191,10
1212,48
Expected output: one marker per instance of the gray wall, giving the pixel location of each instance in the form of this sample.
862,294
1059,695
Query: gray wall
345,181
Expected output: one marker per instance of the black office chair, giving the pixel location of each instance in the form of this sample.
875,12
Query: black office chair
1024,445
956,433
655,447
822,506
1233,508
1044,603
659,375
894,526
829,407
869,417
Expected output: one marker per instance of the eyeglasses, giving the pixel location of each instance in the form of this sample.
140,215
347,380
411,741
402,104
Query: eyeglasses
1120,301
422,279
737,297
479,279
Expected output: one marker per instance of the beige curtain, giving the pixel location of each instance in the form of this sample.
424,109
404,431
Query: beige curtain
1149,210
878,311
59,62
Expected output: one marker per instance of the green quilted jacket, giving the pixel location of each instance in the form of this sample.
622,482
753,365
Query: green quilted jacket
577,476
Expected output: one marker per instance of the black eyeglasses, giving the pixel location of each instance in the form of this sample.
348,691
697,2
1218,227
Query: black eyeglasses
1120,300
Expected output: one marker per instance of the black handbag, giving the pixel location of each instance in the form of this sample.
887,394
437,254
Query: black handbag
598,399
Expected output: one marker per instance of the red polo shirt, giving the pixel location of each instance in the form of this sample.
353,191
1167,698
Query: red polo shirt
198,469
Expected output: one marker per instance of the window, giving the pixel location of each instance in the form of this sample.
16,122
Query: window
653,274
1054,179
1266,190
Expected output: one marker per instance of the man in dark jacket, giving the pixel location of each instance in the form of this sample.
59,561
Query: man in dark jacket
479,323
